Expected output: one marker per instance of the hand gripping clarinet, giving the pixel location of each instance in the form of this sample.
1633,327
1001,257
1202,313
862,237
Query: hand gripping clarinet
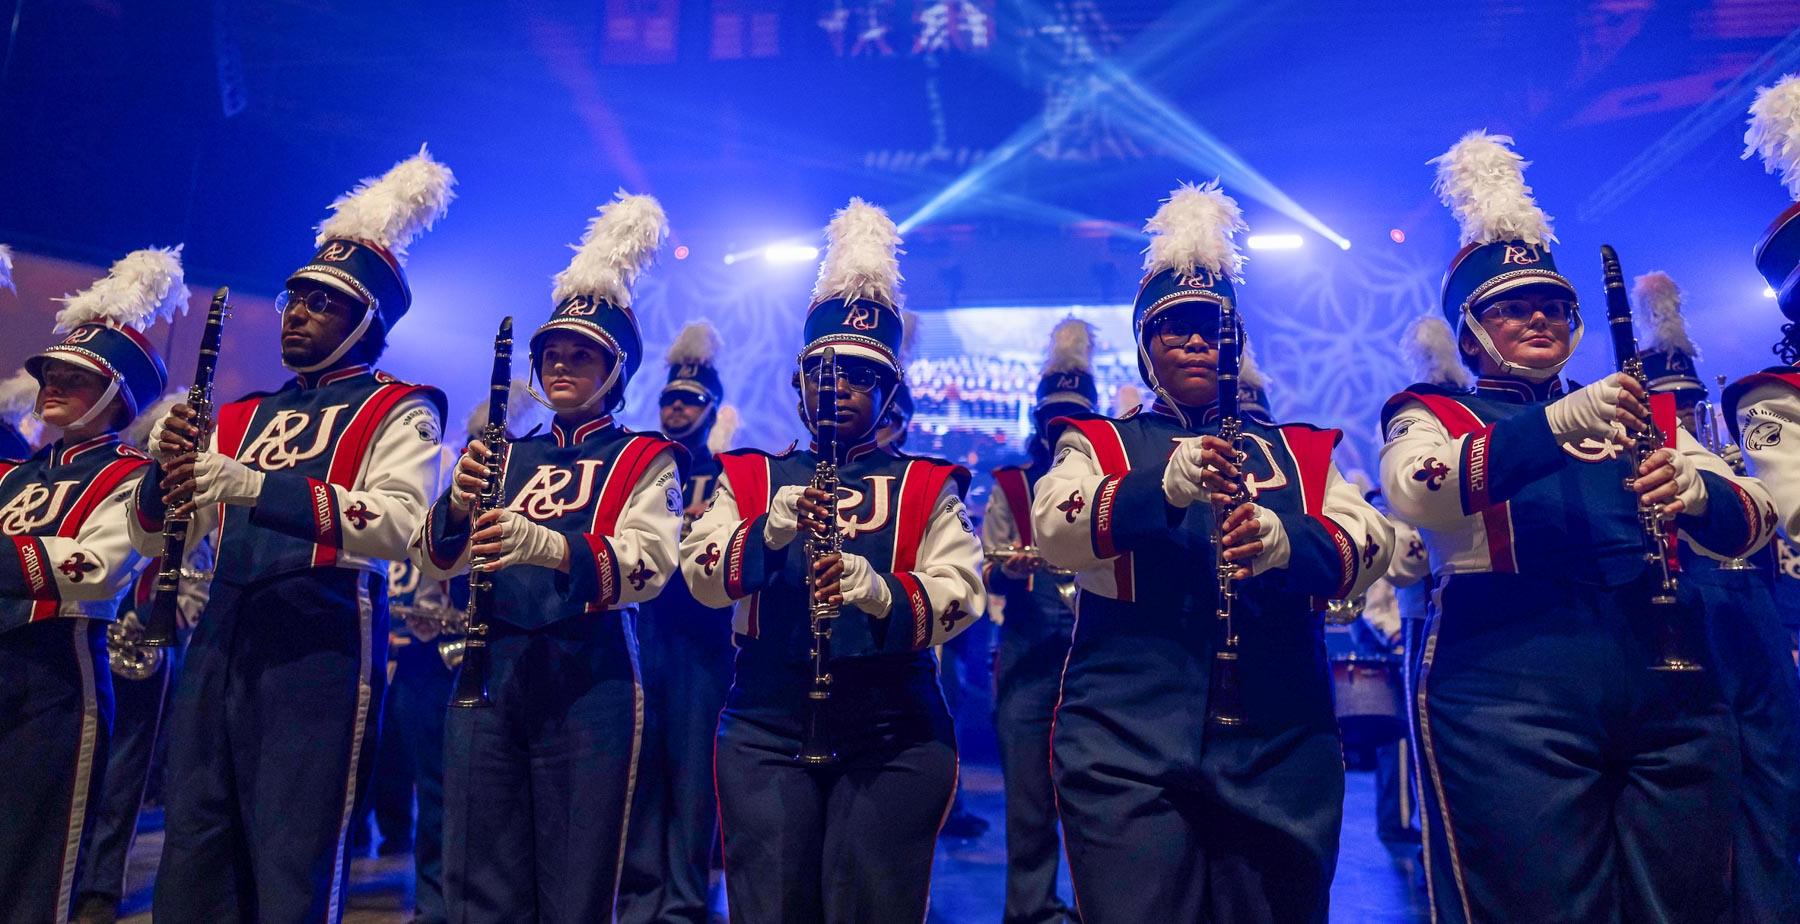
1227,699
817,749
1711,431
160,628
1659,547
471,690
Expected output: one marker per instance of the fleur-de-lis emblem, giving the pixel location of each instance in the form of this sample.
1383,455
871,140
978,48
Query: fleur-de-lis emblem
1415,549
77,566
641,576
709,559
1369,554
359,515
1432,473
1073,506
952,615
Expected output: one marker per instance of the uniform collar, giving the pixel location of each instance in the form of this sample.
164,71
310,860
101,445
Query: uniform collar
1516,390
857,451
1208,415
61,454
565,437
329,376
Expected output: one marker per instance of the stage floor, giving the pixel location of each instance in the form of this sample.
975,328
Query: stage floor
1373,885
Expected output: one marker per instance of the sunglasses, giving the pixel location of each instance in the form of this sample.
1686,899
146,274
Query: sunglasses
862,378
1175,327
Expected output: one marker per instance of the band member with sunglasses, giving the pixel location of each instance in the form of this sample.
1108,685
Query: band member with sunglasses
68,561
1179,800
685,653
313,489
849,839
1546,710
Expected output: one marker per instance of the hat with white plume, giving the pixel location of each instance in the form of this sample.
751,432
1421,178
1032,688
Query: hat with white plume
1666,350
104,326
1193,254
690,358
856,299
594,293
523,413
1068,375
1774,134
362,245
1506,238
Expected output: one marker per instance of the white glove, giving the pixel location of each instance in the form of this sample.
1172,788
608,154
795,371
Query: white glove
861,588
1591,412
523,542
1689,489
784,516
154,446
1181,481
220,479
1276,549
467,464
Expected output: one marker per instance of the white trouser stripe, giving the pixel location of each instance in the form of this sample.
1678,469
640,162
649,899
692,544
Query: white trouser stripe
364,693
84,767
628,622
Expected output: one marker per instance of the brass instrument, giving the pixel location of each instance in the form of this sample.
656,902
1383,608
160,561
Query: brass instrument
1344,612
817,749
471,685
1711,430
1659,547
1002,555
127,655
163,621
1227,707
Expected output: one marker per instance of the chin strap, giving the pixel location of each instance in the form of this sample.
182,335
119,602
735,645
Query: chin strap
1528,373
694,427
593,399
106,397
352,339
1156,386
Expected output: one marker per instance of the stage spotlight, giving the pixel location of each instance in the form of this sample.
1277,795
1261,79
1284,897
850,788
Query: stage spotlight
1274,242
790,253
1768,291
681,252
1396,235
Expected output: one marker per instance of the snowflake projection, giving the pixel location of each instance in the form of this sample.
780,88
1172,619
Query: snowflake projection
960,25
1332,354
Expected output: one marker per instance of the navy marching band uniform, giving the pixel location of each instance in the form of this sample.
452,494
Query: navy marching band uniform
538,787
68,560
852,841
1167,816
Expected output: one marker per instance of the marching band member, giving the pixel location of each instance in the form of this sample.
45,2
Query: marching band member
1540,718
1168,816
537,787
1034,636
685,654
850,840
312,488
63,512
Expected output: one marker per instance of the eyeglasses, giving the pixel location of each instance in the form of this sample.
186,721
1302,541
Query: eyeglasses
688,398
1521,311
862,378
1177,327
317,302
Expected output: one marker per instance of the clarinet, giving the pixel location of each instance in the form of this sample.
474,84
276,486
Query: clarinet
164,620
1659,551
1227,698
471,689
817,749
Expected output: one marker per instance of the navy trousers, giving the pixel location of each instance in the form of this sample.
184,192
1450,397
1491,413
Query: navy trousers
1169,818
849,844
1564,779
1757,669
138,719
538,786
685,655
56,713
271,731
1027,679
419,697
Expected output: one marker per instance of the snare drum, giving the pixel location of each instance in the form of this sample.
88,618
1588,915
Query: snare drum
1370,703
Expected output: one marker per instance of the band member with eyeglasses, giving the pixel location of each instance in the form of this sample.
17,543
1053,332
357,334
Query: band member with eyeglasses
851,836
1547,711
1034,634
312,489
685,652
1187,796
538,786
69,559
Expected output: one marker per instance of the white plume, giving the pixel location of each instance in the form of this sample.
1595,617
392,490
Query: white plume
391,210
1250,375
18,396
1194,229
1430,350
725,426
1071,347
697,344
137,433
1657,300
1482,180
620,243
523,412
1128,398
1775,131
144,287
862,256
6,261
